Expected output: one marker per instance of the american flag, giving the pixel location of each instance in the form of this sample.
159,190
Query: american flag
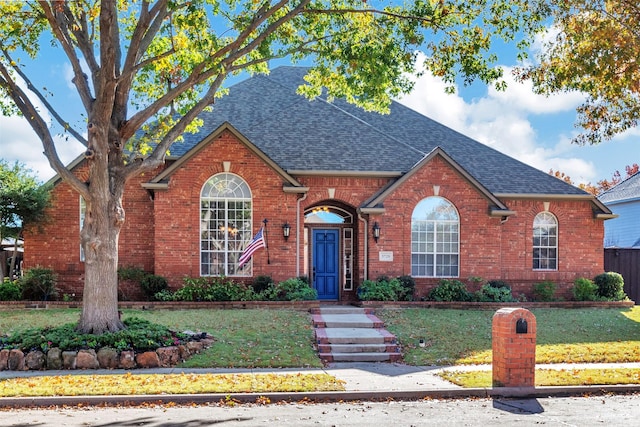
254,245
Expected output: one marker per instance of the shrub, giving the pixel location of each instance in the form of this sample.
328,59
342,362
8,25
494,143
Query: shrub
261,283
610,286
135,274
209,289
139,335
223,289
408,285
152,284
498,284
381,290
10,290
490,293
290,290
39,284
584,290
450,290
544,291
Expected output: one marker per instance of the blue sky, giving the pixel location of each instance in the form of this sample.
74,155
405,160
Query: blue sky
531,128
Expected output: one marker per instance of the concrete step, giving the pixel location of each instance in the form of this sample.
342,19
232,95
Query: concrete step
341,309
346,321
353,336
357,348
360,357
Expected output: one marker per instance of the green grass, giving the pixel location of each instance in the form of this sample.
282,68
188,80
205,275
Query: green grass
563,335
284,338
243,338
136,384
551,377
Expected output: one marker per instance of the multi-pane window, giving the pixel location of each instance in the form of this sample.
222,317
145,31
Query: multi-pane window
545,242
435,239
225,225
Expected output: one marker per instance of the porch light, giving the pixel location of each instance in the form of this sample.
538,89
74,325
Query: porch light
286,230
376,231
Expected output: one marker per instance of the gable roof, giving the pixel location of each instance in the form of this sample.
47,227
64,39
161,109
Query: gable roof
625,191
313,137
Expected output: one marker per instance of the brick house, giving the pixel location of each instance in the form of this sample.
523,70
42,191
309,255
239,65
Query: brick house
360,195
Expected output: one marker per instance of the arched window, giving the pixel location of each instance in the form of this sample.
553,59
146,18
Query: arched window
225,225
435,239
545,242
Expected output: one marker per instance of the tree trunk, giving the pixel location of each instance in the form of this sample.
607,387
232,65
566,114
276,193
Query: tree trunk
104,216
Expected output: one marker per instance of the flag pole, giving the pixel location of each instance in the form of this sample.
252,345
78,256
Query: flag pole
266,245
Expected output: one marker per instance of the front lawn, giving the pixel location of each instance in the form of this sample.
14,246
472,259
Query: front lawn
284,338
563,335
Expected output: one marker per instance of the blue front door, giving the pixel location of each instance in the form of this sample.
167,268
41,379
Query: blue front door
326,263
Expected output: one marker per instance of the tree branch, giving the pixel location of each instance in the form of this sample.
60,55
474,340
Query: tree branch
31,114
67,127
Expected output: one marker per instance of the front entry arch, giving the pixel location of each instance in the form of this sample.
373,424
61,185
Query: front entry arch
329,250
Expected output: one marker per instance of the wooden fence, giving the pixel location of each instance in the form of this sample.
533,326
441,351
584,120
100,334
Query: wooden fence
627,263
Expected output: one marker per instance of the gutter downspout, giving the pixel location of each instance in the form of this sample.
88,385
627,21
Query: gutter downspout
298,233
366,246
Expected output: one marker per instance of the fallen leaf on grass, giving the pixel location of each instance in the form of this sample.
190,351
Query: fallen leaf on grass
132,384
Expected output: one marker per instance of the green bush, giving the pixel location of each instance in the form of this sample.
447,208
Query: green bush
10,290
450,290
610,286
39,284
261,283
544,291
294,289
408,284
152,284
491,293
140,335
584,290
381,290
498,284
131,273
209,289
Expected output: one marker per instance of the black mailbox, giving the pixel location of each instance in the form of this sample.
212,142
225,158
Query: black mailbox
521,326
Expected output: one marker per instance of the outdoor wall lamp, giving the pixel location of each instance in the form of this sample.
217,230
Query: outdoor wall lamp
376,231
286,230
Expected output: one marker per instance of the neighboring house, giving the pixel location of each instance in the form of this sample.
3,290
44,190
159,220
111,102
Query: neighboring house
624,201
444,205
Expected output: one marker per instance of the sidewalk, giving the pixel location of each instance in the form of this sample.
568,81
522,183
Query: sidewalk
363,381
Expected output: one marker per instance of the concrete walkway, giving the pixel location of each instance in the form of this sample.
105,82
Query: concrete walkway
363,381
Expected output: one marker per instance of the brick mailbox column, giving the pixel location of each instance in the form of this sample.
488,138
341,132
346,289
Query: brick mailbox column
514,348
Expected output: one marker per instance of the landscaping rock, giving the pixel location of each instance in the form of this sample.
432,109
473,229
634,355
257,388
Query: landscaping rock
15,362
69,359
87,359
54,358
4,358
35,360
168,356
184,352
127,359
195,347
108,358
148,359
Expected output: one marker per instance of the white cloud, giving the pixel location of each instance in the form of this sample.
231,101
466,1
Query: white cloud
18,142
503,121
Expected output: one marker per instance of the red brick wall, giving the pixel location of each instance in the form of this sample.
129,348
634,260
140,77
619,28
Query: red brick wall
56,244
488,248
162,235
177,212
